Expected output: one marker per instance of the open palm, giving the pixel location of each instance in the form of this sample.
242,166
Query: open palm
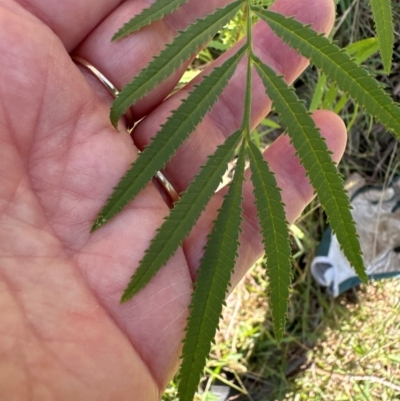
63,333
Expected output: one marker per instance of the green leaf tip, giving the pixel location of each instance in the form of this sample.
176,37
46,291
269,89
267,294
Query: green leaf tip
171,58
98,223
383,17
211,285
156,11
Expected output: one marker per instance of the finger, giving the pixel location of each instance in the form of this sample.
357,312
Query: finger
120,61
123,59
296,193
226,115
70,20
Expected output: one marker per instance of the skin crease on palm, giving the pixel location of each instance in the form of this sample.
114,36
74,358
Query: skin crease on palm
63,333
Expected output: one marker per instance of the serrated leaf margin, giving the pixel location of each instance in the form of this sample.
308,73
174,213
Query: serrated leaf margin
315,157
183,216
275,231
211,285
156,11
183,46
338,66
177,128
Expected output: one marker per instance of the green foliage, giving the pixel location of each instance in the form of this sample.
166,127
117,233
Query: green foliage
171,58
275,232
363,49
183,216
221,250
230,33
315,157
382,10
212,285
338,66
172,134
326,98
156,11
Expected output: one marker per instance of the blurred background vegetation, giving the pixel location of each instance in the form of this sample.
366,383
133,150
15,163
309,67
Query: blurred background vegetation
341,349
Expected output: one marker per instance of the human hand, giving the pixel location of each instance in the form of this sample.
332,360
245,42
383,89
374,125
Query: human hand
64,334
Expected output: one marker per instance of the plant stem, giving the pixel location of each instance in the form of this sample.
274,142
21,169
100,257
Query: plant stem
247,104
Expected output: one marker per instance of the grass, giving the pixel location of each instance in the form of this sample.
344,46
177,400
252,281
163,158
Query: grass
357,357
342,349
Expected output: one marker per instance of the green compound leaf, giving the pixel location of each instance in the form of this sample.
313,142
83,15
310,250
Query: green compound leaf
171,58
274,227
172,134
156,11
315,157
383,17
183,216
338,66
211,286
